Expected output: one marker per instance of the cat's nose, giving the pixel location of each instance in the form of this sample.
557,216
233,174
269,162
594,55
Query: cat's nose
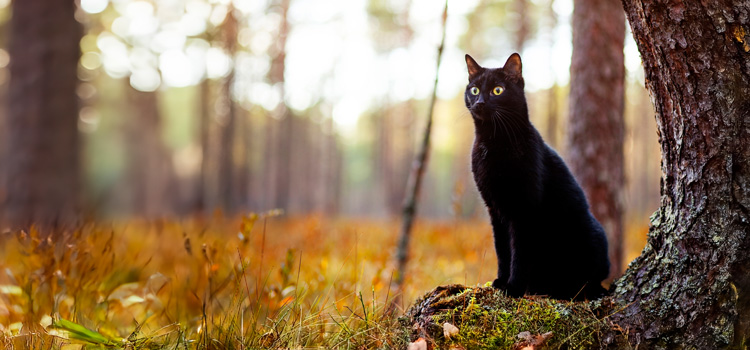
478,107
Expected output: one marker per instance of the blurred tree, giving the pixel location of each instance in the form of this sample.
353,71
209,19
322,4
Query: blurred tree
394,125
150,174
416,174
228,183
280,131
203,202
4,75
486,13
595,129
553,93
523,30
332,170
690,286
642,154
42,165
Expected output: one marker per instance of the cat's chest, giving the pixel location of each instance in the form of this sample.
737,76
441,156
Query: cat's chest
490,167
487,161
502,178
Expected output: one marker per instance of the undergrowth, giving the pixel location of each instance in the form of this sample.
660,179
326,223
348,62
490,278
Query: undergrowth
258,282
484,318
251,282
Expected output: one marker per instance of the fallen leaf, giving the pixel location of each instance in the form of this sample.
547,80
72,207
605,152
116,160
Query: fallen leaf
449,330
419,344
529,341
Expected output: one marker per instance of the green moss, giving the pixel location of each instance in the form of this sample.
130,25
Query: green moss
487,319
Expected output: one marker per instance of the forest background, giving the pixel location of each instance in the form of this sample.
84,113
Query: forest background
322,118
218,109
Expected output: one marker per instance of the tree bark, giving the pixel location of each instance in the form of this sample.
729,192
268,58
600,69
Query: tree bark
42,166
595,132
690,288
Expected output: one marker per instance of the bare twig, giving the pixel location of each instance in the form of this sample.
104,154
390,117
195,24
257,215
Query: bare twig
415,179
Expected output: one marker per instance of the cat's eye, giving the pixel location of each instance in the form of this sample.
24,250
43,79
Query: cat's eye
497,90
474,90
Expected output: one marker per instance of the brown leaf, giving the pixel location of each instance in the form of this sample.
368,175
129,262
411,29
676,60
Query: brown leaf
531,341
419,344
449,330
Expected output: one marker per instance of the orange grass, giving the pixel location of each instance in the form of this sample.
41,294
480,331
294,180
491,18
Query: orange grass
248,282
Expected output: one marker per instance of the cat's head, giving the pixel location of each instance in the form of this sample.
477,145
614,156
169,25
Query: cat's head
493,92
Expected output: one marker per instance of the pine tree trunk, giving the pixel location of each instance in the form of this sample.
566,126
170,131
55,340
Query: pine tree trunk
690,288
202,196
595,132
42,167
226,185
283,142
150,171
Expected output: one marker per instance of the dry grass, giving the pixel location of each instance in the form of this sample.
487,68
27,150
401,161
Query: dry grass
220,283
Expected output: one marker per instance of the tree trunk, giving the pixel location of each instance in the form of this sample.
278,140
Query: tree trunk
43,163
690,288
523,30
595,135
416,175
553,115
202,196
226,174
150,171
283,140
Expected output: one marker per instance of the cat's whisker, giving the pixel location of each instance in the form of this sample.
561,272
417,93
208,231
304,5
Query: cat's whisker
462,115
494,127
509,132
507,124
515,124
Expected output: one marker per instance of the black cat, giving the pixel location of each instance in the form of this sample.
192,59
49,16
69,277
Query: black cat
547,241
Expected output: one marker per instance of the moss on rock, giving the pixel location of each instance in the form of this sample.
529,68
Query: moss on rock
487,319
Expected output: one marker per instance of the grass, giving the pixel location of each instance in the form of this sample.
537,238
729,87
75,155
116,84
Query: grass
256,281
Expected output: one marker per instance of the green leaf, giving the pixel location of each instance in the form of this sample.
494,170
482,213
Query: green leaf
79,332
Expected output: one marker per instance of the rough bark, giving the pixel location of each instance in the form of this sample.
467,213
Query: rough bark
595,131
690,288
42,166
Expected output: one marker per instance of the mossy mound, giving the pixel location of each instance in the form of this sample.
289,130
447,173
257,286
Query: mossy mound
487,319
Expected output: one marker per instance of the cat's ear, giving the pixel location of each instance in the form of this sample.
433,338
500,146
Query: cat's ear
512,68
473,67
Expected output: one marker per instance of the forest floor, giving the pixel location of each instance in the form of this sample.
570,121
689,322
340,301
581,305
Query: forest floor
257,281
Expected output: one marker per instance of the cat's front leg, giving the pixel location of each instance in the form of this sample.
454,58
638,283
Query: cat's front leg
501,233
520,248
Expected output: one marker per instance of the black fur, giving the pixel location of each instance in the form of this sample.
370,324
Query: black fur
547,241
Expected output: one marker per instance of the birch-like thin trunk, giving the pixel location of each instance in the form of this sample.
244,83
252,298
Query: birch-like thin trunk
417,172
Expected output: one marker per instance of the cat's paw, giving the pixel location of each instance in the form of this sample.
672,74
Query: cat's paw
500,283
515,289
